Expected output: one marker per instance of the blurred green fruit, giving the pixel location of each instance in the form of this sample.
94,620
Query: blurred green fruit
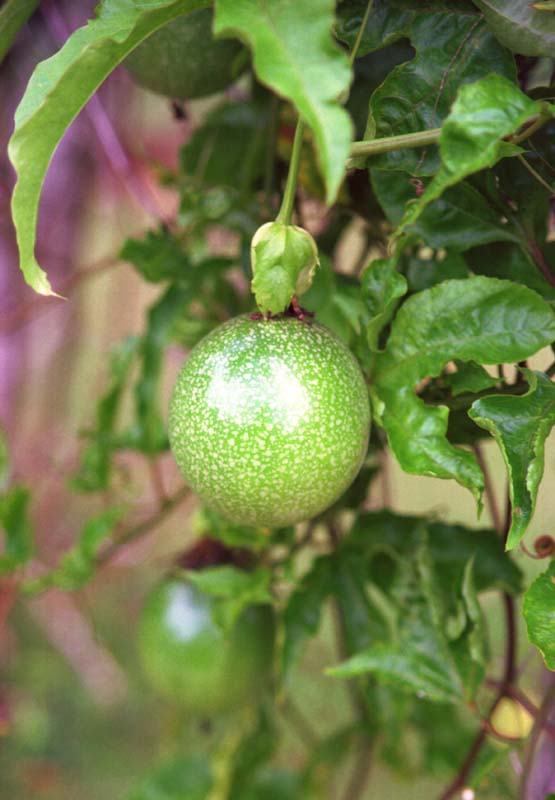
269,420
183,61
191,659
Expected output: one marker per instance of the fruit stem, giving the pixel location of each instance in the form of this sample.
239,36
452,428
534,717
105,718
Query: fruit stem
284,216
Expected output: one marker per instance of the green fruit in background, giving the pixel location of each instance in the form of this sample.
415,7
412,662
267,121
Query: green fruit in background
183,61
269,420
191,659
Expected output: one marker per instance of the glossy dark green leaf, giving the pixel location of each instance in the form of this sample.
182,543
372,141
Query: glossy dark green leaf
520,426
157,257
234,589
16,528
461,218
301,618
13,16
95,469
478,319
520,27
539,613
453,47
58,90
511,262
382,289
472,135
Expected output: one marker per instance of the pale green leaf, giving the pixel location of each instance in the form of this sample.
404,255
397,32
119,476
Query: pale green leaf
58,89
520,425
478,319
295,54
539,613
234,590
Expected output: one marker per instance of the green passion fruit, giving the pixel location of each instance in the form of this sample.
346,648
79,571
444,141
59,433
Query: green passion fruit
269,420
183,61
190,659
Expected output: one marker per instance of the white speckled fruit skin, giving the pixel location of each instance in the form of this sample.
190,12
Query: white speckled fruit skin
269,420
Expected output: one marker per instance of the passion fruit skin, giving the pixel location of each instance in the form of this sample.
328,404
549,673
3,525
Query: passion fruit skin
269,420
191,660
183,61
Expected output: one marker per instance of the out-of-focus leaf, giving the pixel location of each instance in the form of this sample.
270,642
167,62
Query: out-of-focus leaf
539,613
520,27
95,470
417,658
382,288
520,426
453,47
295,54
58,90
424,273
13,16
158,257
78,565
184,777
461,218
478,319
17,529
510,262
207,522
256,749
469,377
301,618
276,784
234,589
471,136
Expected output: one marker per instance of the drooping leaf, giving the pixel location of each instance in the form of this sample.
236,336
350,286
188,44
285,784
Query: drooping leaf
158,257
478,319
539,613
453,47
461,218
520,27
234,589
471,136
16,528
301,618
382,288
294,53
95,469
13,16
520,426
58,90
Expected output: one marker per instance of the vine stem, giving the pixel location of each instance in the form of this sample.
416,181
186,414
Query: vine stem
360,34
284,216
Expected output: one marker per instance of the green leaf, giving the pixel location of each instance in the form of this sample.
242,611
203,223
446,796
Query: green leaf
235,590
185,776
295,54
301,618
17,529
382,289
461,218
520,426
95,469
158,257
58,90
511,262
418,659
478,319
539,613
423,273
470,377
256,749
284,259
471,137
13,16
520,27
78,565
453,47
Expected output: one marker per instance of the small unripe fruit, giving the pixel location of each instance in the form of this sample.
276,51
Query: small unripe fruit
269,420
183,61
189,658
